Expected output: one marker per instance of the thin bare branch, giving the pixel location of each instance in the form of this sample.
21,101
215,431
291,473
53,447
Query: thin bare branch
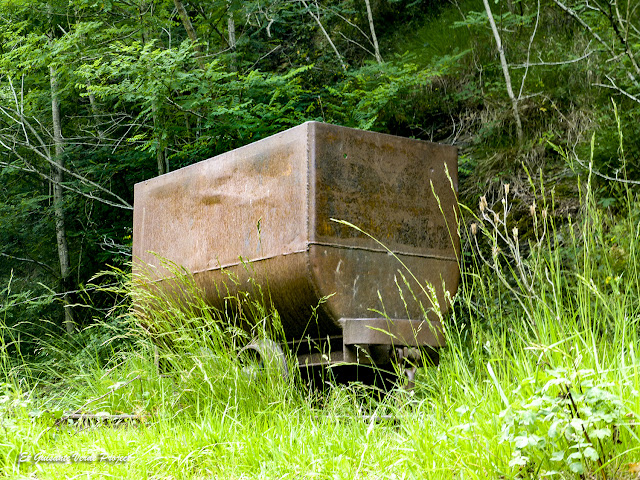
264,56
505,71
31,169
585,25
613,86
533,36
15,97
30,260
617,24
546,64
357,44
595,35
602,175
317,19
339,15
186,110
43,151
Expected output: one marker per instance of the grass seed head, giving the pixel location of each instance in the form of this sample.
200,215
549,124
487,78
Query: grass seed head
483,203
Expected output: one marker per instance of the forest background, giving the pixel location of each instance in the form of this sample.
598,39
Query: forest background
96,96
538,95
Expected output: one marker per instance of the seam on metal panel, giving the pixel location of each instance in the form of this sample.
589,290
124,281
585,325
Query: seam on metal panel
312,133
253,260
381,250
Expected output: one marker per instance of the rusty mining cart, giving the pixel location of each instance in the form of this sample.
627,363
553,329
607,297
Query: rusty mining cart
273,205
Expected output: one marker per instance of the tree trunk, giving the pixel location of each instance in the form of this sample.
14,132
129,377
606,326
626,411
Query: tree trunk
510,6
161,156
373,32
231,28
95,111
188,26
58,203
505,71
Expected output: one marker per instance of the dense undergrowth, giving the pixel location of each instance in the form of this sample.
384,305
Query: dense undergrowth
439,78
540,378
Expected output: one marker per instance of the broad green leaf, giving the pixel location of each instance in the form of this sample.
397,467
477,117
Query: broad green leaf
576,467
557,456
591,453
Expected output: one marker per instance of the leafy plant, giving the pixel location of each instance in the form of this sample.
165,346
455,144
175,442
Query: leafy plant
14,423
570,420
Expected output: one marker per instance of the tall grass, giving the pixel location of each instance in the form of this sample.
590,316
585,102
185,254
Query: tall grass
546,332
540,378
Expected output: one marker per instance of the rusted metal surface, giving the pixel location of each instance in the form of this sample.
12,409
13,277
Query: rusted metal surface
383,331
271,204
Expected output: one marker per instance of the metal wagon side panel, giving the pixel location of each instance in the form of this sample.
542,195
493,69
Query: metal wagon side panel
241,214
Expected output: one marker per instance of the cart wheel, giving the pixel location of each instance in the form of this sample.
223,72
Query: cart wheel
409,377
262,356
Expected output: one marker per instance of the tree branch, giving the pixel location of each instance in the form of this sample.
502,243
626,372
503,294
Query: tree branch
505,71
43,151
357,44
188,26
533,35
613,86
30,260
31,169
545,64
586,26
317,19
602,175
186,110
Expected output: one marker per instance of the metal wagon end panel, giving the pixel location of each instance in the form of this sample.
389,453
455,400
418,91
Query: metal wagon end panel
401,194
249,203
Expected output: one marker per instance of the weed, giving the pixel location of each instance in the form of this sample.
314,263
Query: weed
568,419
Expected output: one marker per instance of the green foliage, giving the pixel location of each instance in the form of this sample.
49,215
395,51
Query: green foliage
366,93
507,20
14,422
202,347
568,421
137,98
551,394
554,302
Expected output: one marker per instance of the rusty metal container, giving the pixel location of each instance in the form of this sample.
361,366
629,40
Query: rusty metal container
269,208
